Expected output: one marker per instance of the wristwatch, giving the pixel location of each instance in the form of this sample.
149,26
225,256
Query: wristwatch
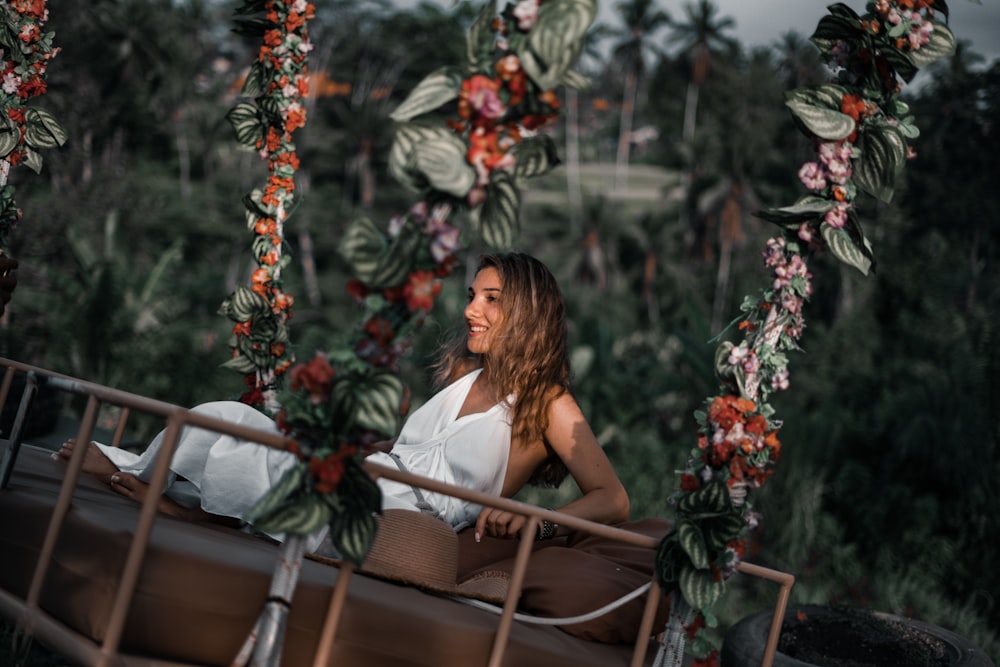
547,530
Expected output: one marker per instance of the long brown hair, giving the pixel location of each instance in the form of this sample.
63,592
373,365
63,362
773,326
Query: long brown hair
528,354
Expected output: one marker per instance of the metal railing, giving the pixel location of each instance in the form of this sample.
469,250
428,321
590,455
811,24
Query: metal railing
31,618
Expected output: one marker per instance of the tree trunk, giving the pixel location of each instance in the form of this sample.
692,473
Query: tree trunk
573,162
625,133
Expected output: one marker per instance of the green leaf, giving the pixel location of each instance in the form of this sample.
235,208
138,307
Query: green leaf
496,219
376,260
402,154
669,560
843,11
575,80
288,485
247,123
721,530
941,45
378,399
806,209
301,515
352,530
557,37
693,542
535,156
481,39
437,88
835,28
883,154
361,247
241,364
254,84
33,160
828,95
822,122
711,499
9,135
440,157
700,588
845,249
244,304
394,265
42,130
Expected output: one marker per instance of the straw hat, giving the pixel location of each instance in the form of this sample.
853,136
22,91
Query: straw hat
421,550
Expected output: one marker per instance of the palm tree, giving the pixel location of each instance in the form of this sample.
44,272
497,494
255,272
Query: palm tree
641,19
701,36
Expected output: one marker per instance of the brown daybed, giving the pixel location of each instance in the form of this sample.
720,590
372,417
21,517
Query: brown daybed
78,573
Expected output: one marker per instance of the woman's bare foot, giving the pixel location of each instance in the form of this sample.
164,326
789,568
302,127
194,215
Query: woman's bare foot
126,484
95,463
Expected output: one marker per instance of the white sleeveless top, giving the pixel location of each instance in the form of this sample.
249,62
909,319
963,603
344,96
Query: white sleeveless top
469,451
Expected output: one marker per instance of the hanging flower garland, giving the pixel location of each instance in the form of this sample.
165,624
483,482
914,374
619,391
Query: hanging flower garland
860,130
25,51
276,83
464,137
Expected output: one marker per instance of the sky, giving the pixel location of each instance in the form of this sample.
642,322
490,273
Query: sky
763,22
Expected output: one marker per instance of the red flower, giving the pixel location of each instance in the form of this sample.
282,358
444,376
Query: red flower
710,660
421,290
326,473
689,482
314,377
696,625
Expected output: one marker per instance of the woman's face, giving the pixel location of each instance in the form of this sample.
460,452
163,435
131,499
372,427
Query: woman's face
483,315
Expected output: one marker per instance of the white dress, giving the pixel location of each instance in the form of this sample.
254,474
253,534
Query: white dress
226,476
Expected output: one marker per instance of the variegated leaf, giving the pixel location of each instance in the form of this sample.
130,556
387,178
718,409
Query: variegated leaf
693,542
700,588
496,219
42,130
440,158
481,38
883,154
845,249
535,156
247,124
824,123
437,88
941,45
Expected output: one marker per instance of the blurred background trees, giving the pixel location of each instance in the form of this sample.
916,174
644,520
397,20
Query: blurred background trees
886,496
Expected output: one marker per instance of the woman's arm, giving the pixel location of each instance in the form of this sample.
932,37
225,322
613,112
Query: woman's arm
604,498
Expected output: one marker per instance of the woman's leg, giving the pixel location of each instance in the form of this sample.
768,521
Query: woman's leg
98,465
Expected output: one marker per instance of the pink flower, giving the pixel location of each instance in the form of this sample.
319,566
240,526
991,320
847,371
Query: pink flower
526,13
811,175
836,217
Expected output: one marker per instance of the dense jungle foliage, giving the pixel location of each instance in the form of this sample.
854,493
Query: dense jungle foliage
885,496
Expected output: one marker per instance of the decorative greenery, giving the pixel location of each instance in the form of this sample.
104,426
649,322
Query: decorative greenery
276,83
25,50
860,129
464,138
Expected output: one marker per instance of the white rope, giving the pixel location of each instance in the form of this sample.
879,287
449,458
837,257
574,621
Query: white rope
671,652
572,620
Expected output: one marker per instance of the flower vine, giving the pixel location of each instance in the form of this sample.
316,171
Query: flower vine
464,136
860,129
25,51
276,83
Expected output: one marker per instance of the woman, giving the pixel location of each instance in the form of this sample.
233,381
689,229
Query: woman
505,415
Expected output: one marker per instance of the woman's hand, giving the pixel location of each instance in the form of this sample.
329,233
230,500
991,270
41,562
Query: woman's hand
497,523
